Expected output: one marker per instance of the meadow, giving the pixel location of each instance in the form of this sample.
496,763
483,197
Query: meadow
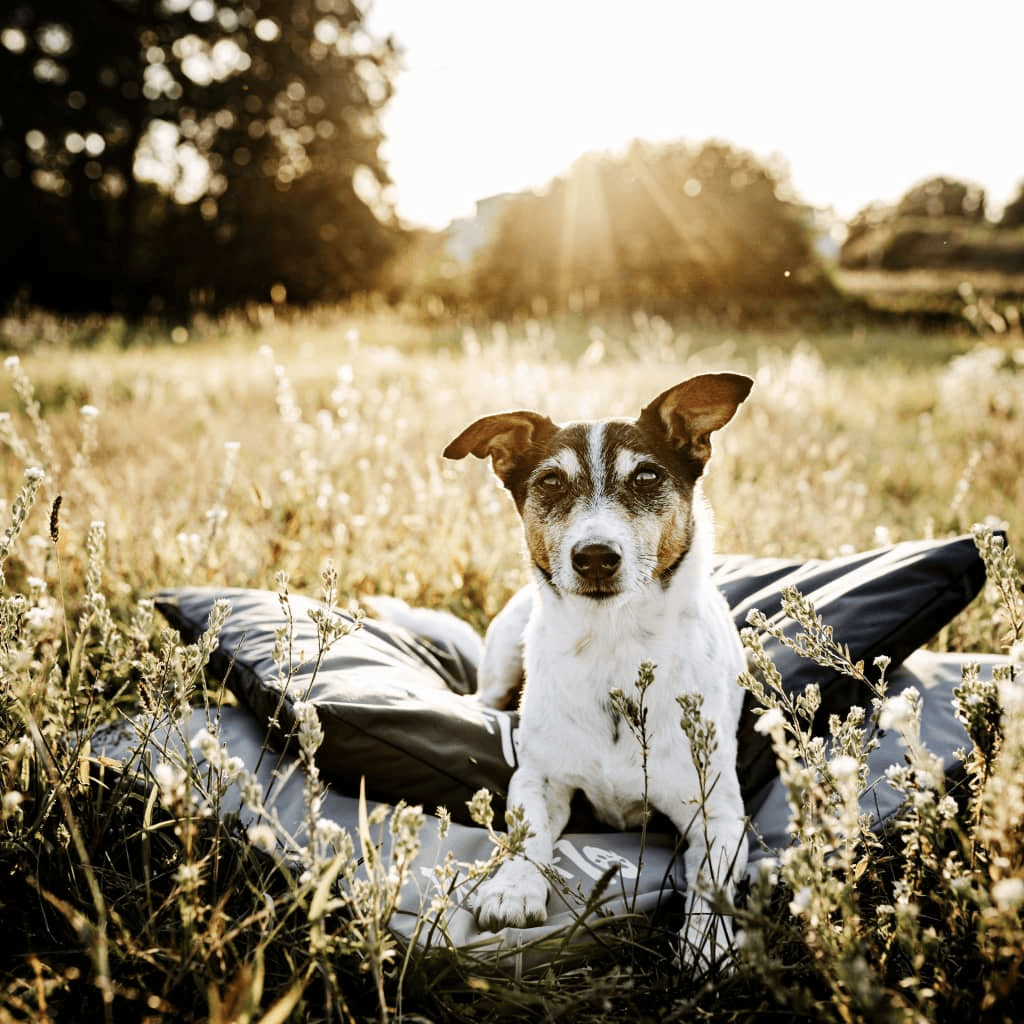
250,452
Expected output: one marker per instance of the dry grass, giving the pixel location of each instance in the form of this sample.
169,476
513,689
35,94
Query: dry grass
246,452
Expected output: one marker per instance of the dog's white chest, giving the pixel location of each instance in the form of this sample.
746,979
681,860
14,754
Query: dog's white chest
615,789
570,731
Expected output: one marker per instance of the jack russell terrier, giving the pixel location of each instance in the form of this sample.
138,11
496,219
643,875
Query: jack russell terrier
620,538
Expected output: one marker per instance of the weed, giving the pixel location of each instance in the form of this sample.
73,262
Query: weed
129,899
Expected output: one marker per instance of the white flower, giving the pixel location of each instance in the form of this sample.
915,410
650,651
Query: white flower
899,712
801,901
262,837
768,870
328,833
41,615
187,875
311,733
171,782
1008,893
770,721
252,793
948,809
206,743
89,412
845,769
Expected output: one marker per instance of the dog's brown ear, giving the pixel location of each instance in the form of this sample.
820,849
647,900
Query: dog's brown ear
507,437
689,412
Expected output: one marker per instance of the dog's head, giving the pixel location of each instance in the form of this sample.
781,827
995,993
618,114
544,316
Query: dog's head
607,506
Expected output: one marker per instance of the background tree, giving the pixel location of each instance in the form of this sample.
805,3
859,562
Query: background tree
1013,212
160,153
938,224
943,197
662,225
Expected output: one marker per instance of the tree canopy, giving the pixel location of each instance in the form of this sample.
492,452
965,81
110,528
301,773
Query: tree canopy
159,154
668,224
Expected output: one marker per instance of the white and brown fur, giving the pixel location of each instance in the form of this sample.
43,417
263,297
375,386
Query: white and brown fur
619,537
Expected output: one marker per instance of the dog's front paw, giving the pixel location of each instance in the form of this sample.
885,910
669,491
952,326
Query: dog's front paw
706,939
515,897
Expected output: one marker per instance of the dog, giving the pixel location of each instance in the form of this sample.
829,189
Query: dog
619,539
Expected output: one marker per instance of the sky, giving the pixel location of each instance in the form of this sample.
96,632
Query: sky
861,98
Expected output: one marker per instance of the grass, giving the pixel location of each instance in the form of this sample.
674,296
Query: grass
244,450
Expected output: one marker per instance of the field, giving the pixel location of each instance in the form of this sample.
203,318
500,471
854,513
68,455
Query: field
235,452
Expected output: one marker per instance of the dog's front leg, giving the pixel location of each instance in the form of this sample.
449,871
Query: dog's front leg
715,857
500,676
517,895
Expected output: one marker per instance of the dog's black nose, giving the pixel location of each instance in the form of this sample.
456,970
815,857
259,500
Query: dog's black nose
595,561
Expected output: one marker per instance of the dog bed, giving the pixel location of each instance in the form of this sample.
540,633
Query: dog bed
395,713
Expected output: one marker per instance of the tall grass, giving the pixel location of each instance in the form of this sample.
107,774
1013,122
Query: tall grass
305,455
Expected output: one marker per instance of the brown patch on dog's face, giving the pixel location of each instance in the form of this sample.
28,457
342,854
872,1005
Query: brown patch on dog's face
676,538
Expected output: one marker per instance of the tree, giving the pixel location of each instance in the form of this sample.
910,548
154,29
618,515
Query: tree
167,152
943,197
1013,212
661,225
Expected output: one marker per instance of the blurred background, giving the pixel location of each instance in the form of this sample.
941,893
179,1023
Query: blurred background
747,163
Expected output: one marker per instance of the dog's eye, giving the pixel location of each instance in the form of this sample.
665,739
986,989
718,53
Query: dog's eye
647,477
552,481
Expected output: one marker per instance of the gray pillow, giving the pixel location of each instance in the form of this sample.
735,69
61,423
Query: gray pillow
393,707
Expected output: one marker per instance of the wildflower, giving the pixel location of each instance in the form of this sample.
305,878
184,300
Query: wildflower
311,733
801,901
252,793
206,743
480,810
845,769
188,875
770,721
768,870
899,712
171,782
327,833
11,802
947,809
262,837
41,615
1008,893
